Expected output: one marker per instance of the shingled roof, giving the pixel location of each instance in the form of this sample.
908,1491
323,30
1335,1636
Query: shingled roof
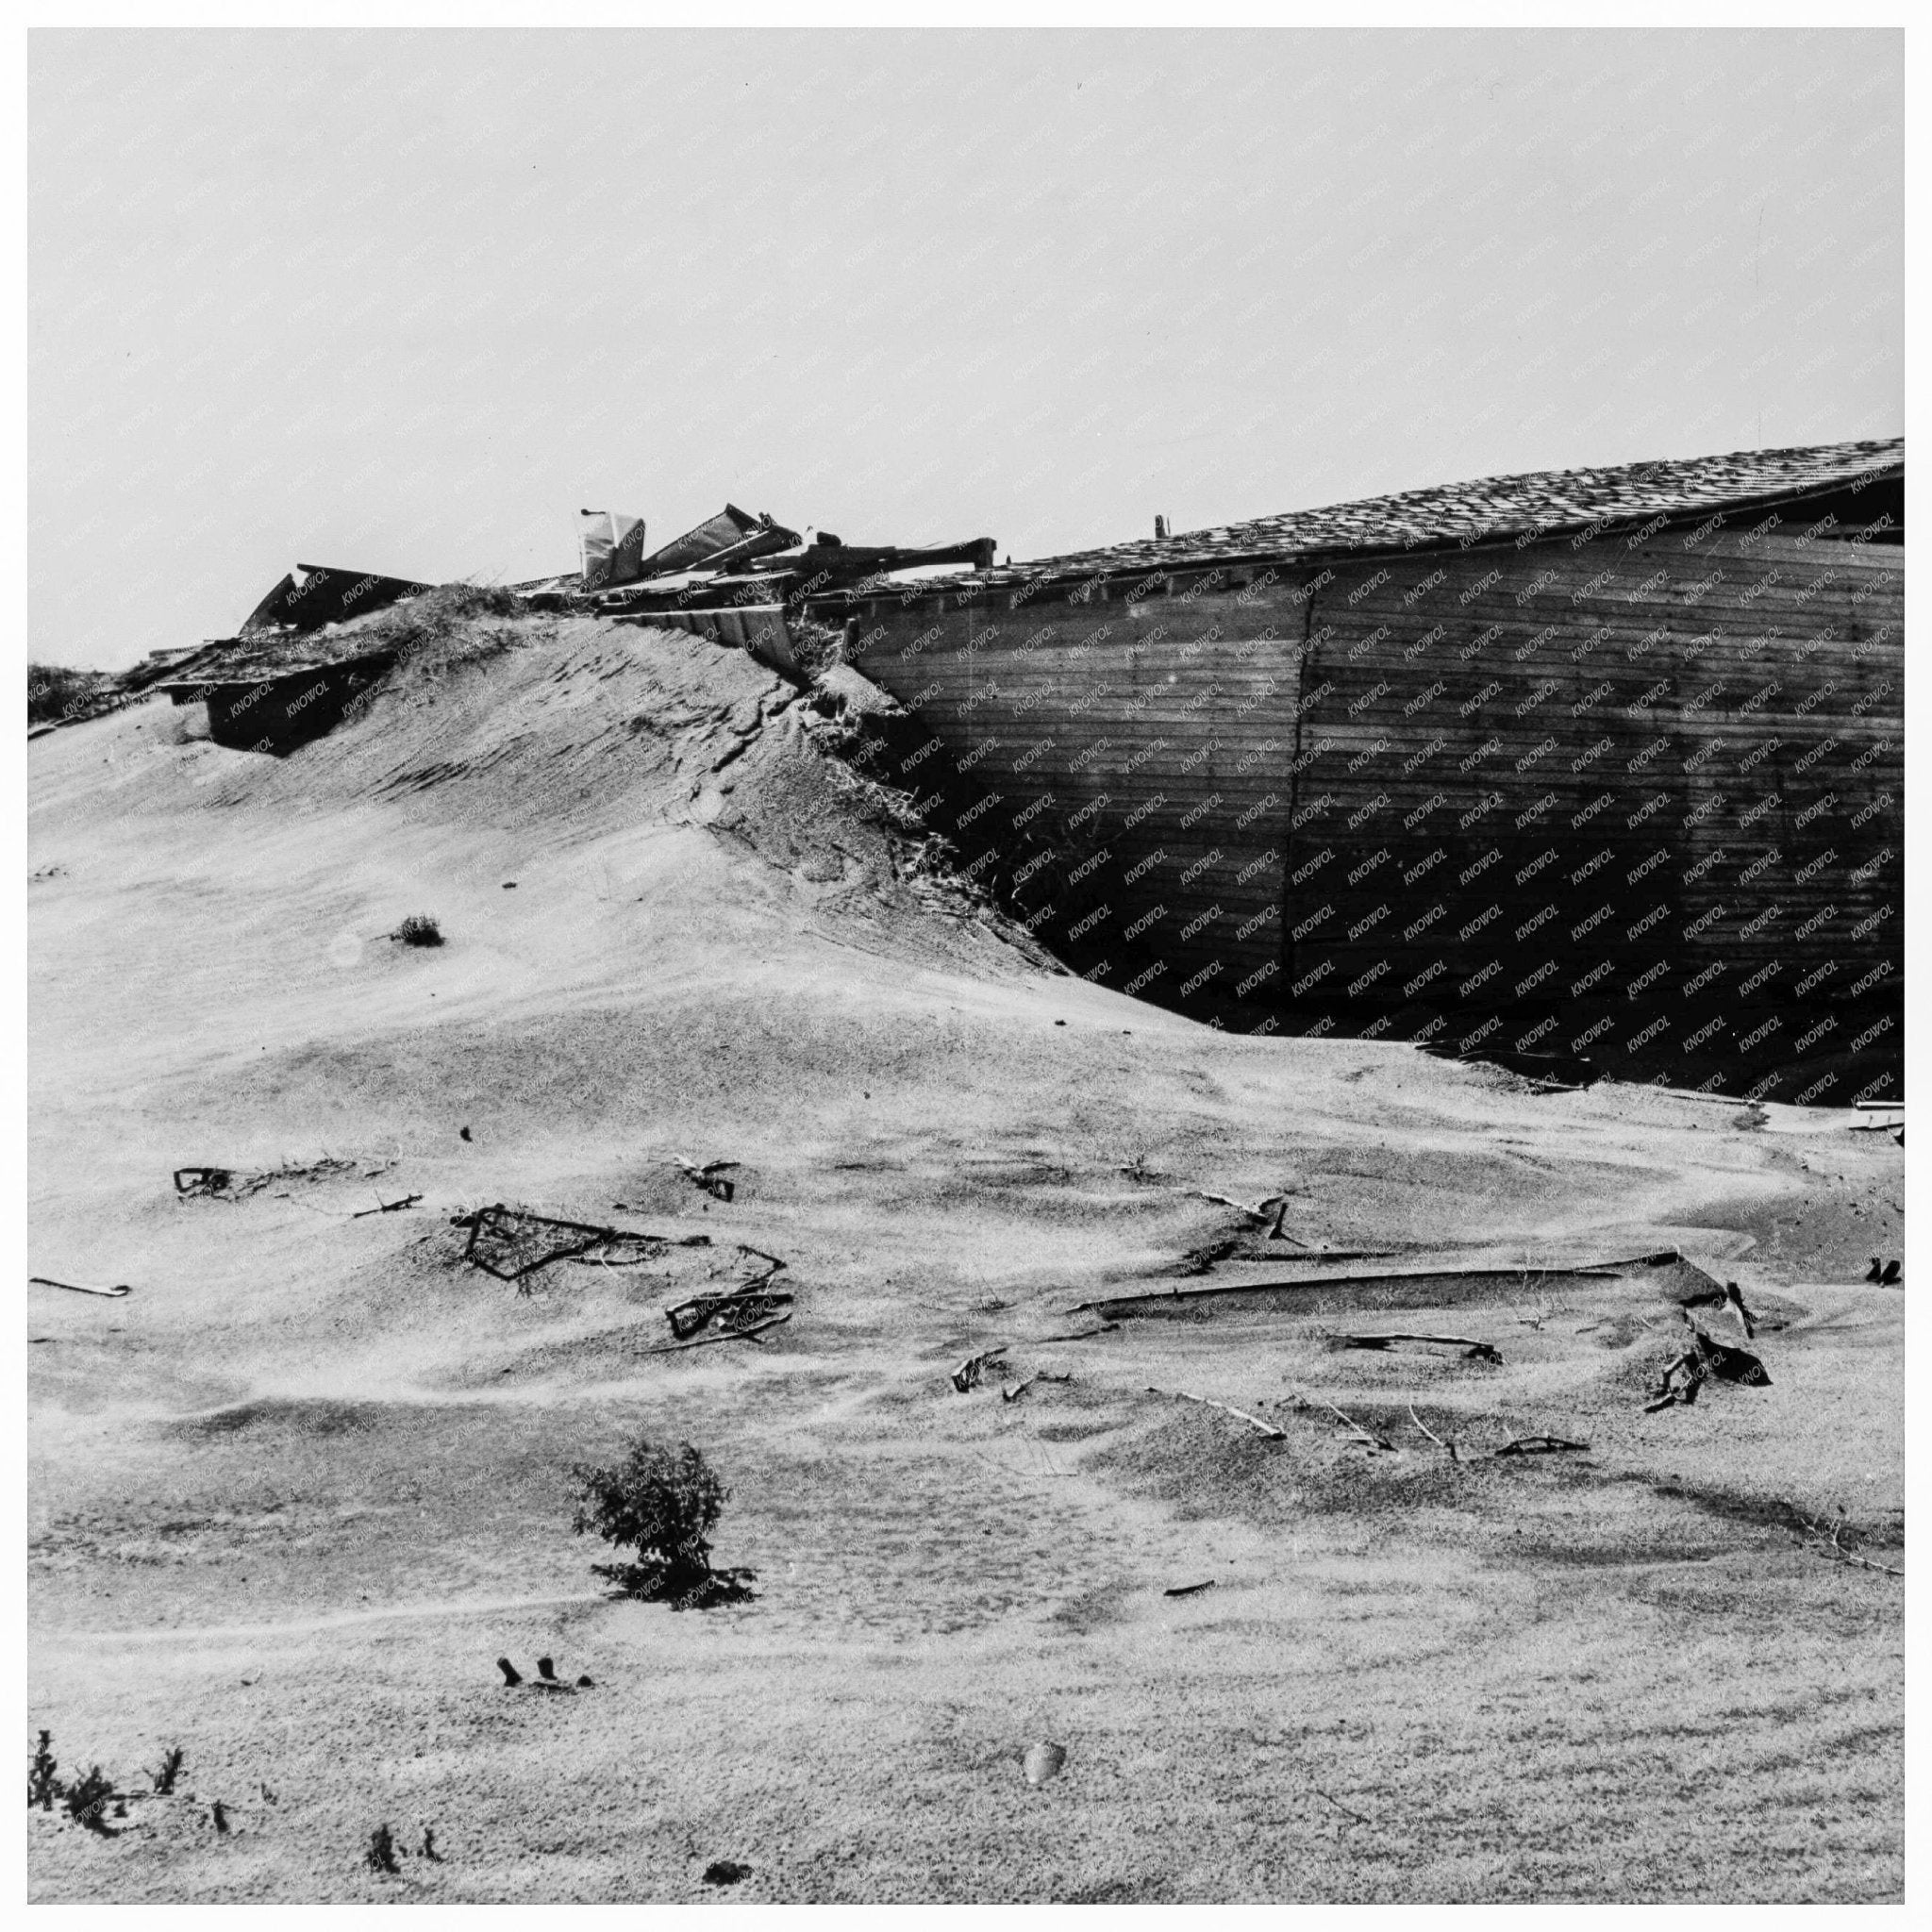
1545,503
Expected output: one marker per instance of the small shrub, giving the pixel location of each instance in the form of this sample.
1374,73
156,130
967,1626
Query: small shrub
663,1503
86,1798
381,1855
419,930
43,1782
168,1769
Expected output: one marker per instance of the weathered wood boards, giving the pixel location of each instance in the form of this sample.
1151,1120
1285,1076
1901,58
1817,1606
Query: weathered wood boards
1630,794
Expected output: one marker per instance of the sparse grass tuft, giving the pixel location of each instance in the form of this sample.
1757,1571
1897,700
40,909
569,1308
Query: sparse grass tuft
445,628
86,1799
168,1769
59,691
419,930
43,1774
381,1855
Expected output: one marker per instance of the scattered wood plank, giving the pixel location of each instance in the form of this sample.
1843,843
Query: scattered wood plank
113,1294
1188,1589
1083,1335
972,1371
749,1334
1539,1445
1482,1350
1268,1430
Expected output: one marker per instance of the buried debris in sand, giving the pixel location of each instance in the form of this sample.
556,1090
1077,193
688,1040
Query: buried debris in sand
1269,1212
1539,1445
972,1371
741,1311
710,1176
546,1678
1705,1360
1013,1390
513,1244
1479,1351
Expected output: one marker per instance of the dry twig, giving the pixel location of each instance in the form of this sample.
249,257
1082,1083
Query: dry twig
383,1207
1340,1807
1361,1435
1839,1553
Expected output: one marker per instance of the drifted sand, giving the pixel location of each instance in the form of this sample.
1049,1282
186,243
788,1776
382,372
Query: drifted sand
292,1496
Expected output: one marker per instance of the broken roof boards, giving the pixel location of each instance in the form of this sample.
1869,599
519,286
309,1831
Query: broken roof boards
312,595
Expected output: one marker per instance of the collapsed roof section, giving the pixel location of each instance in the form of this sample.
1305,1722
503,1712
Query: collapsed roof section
312,595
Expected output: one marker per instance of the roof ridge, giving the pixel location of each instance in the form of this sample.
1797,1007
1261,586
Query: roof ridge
1491,508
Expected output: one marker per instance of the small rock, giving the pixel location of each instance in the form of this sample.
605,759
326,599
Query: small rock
726,1872
1044,1761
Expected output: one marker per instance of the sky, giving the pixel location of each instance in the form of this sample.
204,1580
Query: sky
406,302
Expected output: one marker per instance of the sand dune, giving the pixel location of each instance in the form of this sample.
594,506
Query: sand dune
293,1496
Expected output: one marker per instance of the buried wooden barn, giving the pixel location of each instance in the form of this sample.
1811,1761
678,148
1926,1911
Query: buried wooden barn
1604,764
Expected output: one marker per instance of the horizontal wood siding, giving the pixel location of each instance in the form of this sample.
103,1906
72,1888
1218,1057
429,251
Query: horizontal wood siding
1666,769
1604,779
1131,762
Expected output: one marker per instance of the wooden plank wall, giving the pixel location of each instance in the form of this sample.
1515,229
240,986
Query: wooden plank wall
1629,794
1659,777
1130,758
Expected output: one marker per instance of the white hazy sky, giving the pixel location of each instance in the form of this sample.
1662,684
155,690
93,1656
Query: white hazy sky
404,301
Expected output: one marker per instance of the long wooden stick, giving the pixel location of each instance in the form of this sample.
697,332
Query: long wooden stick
1537,1446
1268,1430
1432,1435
